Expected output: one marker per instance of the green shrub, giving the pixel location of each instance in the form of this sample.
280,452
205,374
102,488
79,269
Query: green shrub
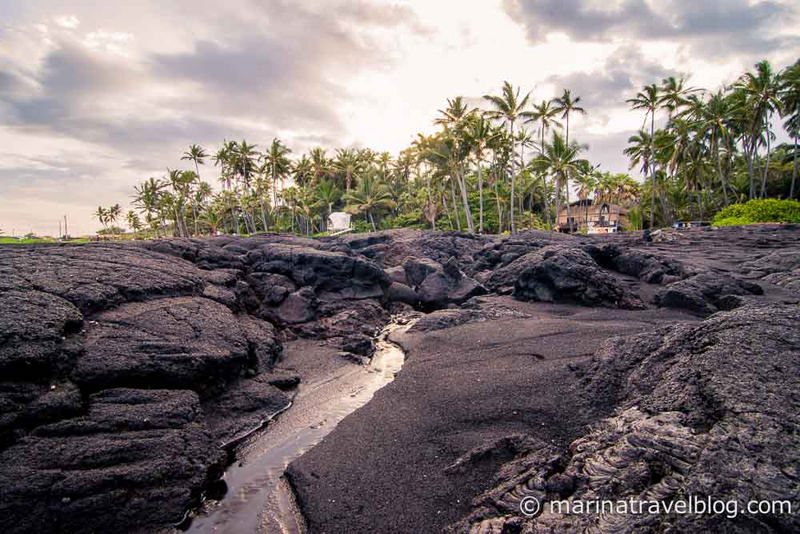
412,219
759,211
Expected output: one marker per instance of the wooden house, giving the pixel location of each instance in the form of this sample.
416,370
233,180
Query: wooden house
594,218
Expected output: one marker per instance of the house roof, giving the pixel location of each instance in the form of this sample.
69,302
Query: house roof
614,208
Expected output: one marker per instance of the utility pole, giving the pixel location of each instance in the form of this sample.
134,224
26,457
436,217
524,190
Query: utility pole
59,229
66,232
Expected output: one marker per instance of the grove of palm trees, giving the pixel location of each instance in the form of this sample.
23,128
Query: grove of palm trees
507,165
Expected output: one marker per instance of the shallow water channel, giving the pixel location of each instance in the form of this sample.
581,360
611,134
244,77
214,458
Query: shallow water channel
258,499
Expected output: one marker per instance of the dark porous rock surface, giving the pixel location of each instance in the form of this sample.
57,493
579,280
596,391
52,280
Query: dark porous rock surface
706,293
560,274
436,285
126,369
32,347
708,409
393,247
481,308
650,268
134,461
129,372
184,342
781,268
92,281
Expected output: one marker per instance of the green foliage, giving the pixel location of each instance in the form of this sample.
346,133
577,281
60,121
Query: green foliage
759,211
411,219
360,226
635,218
112,230
715,149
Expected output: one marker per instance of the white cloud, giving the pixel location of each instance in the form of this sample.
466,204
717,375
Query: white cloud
86,114
67,21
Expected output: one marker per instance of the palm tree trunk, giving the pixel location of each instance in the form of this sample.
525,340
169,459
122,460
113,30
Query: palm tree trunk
546,202
194,203
455,204
766,168
586,213
513,182
521,167
544,181
558,199
480,196
264,215
566,177
465,199
750,156
719,171
499,208
652,168
569,210
794,168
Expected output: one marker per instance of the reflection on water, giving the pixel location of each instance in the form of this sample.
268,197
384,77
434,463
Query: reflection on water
258,499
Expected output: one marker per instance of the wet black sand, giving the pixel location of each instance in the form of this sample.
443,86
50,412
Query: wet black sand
384,468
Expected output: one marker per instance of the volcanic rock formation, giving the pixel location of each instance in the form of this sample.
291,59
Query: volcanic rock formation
127,369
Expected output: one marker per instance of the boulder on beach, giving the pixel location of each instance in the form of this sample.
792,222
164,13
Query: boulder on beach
560,274
707,293
437,285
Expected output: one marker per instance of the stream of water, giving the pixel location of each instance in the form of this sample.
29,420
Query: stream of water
258,498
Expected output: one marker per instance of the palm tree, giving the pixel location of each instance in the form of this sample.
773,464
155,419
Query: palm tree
674,94
349,163
566,105
544,114
327,195
191,179
790,100
587,183
319,160
223,159
113,214
278,165
524,139
714,120
455,119
508,107
101,214
371,196
649,100
212,219
180,182
478,136
245,161
303,171
447,152
133,220
196,154
560,159
759,91
454,114
146,199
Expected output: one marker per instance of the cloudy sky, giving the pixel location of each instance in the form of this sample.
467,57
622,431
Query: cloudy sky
98,96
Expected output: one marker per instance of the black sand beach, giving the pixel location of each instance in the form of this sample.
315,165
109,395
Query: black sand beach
539,365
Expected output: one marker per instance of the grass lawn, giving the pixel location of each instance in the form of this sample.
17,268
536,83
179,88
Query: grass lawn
36,240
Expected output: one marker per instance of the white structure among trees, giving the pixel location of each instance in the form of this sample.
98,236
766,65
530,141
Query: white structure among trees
339,222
